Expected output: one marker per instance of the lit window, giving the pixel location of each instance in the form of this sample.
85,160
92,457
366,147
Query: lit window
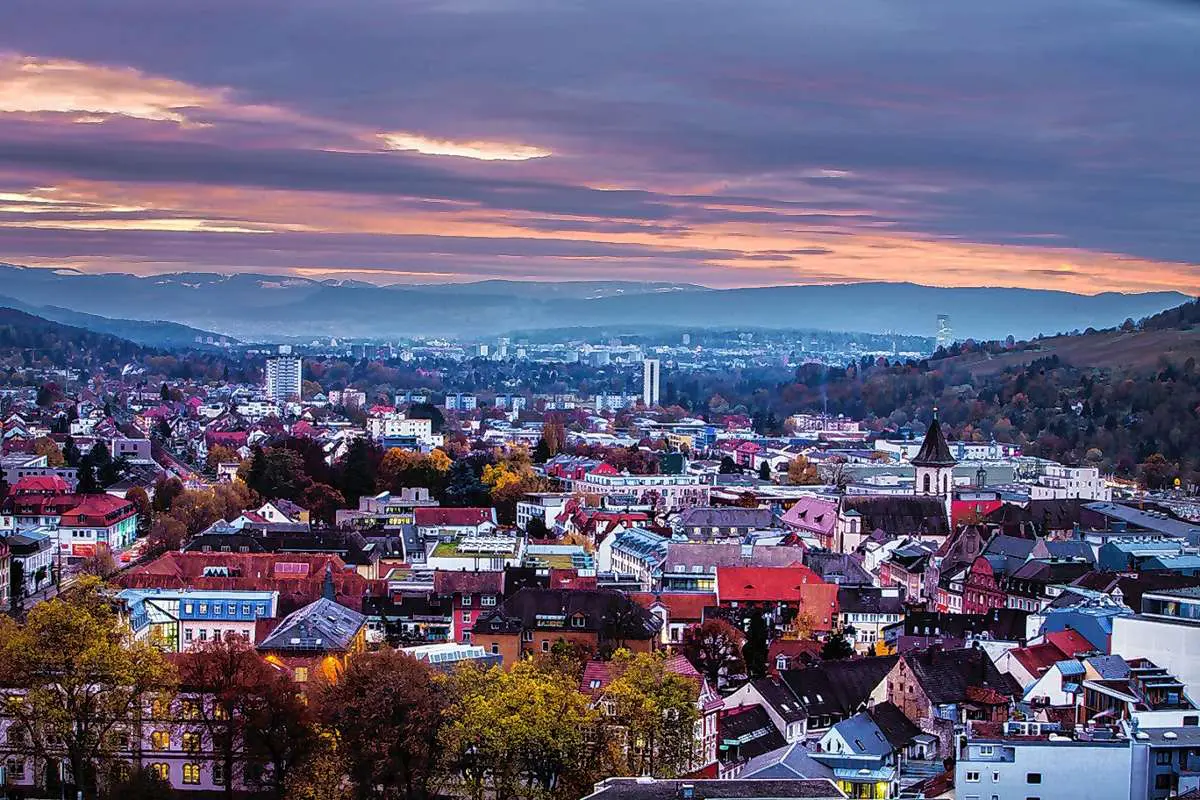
160,740
191,773
163,771
191,742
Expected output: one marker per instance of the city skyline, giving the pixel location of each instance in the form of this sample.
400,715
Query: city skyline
1033,144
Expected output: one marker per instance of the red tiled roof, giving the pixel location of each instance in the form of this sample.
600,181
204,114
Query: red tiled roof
446,582
1038,658
40,484
598,674
605,469
985,695
97,510
1072,643
453,517
681,606
570,579
763,584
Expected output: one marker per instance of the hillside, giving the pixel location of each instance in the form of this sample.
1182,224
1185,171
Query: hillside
27,340
156,333
265,307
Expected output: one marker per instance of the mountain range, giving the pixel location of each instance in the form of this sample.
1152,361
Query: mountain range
266,307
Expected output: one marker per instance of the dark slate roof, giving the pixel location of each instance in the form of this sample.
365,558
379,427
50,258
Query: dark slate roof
868,600
781,698
840,568
1072,549
726,517
739,789
899,515
1005,624
602,611
322,626
789,761
838,687
898,729
752,722
934,451
1051,572
945,675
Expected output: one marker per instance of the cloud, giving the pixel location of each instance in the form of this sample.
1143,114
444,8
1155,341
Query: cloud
483,151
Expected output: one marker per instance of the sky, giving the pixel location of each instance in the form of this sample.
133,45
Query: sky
1035,143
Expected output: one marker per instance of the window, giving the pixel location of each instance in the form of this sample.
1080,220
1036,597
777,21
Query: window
1162,757
495,649
190,709
526,636
1162,781
218,609
466,600
578,622
203,635
163,771
972,777
187,634
16,769
301,674
1033,777
187,608
466,616
204,608
218,774
487,600
545,645
986,750
191,742
160,740
995,777
1191,720
245,609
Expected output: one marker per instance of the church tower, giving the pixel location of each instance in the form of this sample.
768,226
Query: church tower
935,465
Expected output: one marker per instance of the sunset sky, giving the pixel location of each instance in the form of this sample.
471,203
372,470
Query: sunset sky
1036,143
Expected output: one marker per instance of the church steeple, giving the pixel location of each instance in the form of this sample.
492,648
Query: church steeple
934,463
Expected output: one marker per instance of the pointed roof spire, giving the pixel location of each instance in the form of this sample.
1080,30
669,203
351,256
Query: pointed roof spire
327,590
934,451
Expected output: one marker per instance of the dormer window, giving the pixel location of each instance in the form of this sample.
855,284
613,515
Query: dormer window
578,621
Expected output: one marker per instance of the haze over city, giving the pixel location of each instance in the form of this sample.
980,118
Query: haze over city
1032,143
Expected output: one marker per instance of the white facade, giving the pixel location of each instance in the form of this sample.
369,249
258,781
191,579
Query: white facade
1067,483
283,378
665,492
1042,769
400,426
651,373
1175,646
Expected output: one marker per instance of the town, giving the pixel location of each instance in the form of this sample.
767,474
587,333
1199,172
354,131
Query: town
294,579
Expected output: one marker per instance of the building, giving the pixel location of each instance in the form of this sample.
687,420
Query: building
733,789
319,636
1037,761
5,573
934,464
1070,483
651,374
178,620
97,521
471,595
659,492
1167,632
283,381
533,619
1163,761
32,554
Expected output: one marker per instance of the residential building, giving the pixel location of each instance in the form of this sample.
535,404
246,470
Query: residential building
1163,758
868,610
283,378
721,524
97,521
532,620
434,522
178,620
1038,761
471,594
316,639
635,551
651,378
34,551
1167,632
658,492
1059,482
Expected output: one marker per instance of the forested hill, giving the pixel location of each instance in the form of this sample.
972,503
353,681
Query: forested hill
1126,399
26,340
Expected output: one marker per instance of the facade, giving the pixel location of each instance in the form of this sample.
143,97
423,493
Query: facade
34,550
97,521
934,464
660,492
1032,761
651,374
1167,632
1058,482
283,381
176,621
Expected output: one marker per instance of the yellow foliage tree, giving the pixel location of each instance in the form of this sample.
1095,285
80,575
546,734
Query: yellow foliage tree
802,472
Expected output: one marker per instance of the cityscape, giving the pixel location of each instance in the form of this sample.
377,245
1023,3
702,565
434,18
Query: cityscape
522,401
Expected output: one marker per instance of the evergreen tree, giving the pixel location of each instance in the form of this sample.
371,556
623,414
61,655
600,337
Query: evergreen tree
465,489
358,471
164,393
764,471
71,454
754,651
87,478
541,451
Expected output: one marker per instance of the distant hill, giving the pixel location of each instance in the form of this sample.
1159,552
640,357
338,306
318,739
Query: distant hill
27,339
156,333
265,307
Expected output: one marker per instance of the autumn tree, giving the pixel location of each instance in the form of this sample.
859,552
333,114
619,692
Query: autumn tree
802,472
45,446
219,454
714,648
754,651
838,646
83,680
525,733
322,502
280,730
141,501
227,677
653,713
386,712
165,491
100,564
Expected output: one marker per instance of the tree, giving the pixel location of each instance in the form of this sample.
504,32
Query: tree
141,501
87,483
280,730
838,646
70,452
83,678
219,454
358,470
536,529
754,651
167,534
164,393
141,783
16,574
802,472
836,471
165,491
764,471
228,677
322,502
437,420
386,711
714,648
100,564
728,466
45,446
464,489
526,733
655,710
278,472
